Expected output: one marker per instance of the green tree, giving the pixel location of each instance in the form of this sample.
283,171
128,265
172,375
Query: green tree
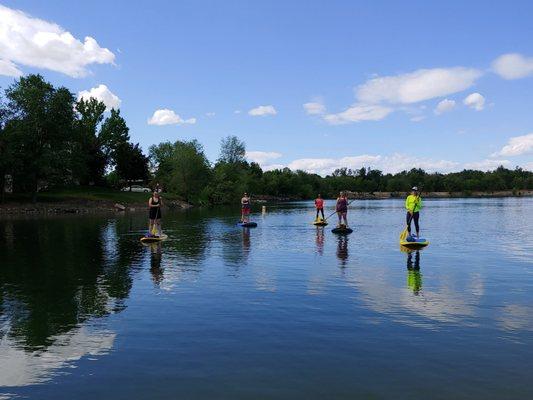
130,163
39,129
232,150
181,167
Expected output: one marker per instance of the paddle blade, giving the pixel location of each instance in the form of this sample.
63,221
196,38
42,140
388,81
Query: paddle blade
404,234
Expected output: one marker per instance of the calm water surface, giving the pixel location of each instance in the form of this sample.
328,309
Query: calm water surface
285,310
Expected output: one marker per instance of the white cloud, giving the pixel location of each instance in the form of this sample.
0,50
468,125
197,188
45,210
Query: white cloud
7,68
103,94
517,146
444,106
262,157
420,85
357,113
513,66
33,42
314,108
262,111
487,165
528,166
393,163
168,117
475,101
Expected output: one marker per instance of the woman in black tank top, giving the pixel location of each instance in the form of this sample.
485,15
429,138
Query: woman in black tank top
154,214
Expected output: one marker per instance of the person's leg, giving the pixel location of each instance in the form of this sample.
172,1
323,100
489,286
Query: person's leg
339,214
345,215
322,211
416,215
408,219
317,211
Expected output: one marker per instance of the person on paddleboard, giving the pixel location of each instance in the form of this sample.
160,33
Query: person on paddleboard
246,206
342,209
319,204
154,214
413,204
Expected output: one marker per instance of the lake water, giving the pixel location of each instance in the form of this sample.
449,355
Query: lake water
282,311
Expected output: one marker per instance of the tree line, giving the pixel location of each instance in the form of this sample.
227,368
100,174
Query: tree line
49,139
183,168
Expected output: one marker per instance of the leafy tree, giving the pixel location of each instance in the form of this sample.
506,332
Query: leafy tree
39,129
182,168
97,140
232,150
130,163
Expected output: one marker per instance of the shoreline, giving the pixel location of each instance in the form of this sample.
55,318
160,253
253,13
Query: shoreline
84,206
81,207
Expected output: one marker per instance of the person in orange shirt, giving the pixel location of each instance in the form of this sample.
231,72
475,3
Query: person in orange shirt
319,204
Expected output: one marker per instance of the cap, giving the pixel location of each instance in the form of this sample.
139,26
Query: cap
415,188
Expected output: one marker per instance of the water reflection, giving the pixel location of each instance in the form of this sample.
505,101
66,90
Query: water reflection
342,250
155,263
320,240
55,280
414,277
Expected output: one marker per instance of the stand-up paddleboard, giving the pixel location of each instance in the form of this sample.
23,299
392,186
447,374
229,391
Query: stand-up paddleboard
247,224
414,242
320,222
342,230
153,239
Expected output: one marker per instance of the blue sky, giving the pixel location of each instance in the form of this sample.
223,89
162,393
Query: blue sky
384,83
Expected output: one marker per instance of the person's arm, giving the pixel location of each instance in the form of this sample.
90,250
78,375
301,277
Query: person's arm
150,203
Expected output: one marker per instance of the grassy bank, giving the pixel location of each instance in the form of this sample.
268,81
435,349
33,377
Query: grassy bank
79,200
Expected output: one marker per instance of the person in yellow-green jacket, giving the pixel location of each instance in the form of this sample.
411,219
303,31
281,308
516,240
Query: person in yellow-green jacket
413,204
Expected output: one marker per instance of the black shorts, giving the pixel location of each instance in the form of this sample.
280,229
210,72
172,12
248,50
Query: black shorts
154,213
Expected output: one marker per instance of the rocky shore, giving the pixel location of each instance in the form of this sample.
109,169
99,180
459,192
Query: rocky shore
81,207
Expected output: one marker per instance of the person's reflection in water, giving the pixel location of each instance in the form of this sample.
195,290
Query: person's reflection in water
414,277
246,240
342,250
320,240
155,263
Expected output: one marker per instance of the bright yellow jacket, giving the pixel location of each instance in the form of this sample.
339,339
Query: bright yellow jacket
413,203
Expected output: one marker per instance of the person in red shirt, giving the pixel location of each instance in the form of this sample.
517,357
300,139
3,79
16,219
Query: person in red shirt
319,204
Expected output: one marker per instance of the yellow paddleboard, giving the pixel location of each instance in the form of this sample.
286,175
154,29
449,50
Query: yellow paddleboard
153,239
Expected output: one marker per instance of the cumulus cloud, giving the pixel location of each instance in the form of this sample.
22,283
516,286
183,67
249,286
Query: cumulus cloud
444,106
513,66
103,94
7,68
314,108
168,117
420,85
475,101
517,146
33,42
262,111
357,113
487,165
262,157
